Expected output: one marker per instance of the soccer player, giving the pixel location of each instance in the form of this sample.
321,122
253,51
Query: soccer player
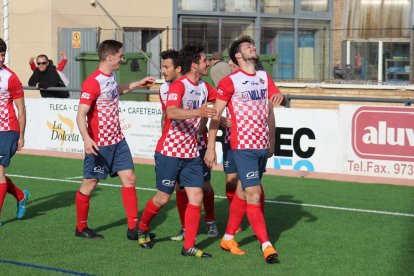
171,71
106,151
176,155
11,130
247,93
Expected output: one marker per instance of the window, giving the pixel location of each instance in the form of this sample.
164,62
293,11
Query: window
232,29
238,5
197,5
201,30
278,6
312,52
314,5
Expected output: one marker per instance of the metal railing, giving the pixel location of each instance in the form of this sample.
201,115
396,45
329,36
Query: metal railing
406,101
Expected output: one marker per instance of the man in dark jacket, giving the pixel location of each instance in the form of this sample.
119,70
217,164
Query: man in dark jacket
46,76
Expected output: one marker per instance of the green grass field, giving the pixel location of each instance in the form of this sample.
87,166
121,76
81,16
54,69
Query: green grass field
319,228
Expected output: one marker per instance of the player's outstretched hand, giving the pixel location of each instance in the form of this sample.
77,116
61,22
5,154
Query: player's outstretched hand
146,82
207,110
277,99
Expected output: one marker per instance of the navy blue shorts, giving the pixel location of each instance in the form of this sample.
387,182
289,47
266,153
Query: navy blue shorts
250,166
229,165
110,160
206,170
8,146
187,171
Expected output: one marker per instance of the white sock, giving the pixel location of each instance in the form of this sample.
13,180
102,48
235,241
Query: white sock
265,244
228,237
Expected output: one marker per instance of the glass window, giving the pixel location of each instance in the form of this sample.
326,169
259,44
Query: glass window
238,5
278,6
201,30
278,43
312,53
231,29
197,5
314,5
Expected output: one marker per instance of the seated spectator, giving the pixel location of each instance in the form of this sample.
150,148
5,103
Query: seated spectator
45,76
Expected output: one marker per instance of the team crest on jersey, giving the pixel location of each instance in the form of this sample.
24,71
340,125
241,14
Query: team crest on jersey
172,96
262,81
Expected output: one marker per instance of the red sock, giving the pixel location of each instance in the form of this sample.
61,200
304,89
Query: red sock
12,189
257,222
130,201
192,220
236,214
181,200
150,211
230,194
262,199
3,191
82,210
208,202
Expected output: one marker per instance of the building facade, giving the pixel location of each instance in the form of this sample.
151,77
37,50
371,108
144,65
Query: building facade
306,40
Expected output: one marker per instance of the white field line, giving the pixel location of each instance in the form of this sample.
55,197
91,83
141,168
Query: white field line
223,197
75,177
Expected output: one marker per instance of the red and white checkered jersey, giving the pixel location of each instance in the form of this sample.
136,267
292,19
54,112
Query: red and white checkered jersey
179,137
10,89
247,96
100,91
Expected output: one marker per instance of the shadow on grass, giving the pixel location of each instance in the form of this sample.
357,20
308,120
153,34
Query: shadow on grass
39,206
281,215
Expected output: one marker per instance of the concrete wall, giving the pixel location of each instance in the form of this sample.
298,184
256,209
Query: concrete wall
33,25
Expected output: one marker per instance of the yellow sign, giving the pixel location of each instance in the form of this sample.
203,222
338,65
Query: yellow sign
76,40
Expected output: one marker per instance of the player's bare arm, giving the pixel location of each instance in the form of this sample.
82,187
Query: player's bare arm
210,158
224,122
144,83
90,146
176,113
21,113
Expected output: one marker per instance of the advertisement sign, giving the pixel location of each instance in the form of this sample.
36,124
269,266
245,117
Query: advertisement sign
306,140
379,141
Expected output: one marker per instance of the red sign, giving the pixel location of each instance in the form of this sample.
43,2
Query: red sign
385,133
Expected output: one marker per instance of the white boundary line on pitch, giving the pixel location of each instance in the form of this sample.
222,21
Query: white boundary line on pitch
222,197
75,177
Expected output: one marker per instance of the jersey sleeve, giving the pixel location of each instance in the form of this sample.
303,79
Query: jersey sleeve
225,89
163,107
175,94
212,93
89,92
272,88
15,87
61,65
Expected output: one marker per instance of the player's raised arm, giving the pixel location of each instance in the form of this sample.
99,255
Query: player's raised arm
144,83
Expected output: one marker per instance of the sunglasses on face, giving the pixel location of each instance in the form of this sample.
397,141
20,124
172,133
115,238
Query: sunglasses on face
42,63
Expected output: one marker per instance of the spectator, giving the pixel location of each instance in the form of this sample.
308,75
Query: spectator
45,76
219,68
60,66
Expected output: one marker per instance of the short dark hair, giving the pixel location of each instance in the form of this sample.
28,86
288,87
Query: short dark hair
189,54
108,47
3,46
173,55
42,56
235,47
